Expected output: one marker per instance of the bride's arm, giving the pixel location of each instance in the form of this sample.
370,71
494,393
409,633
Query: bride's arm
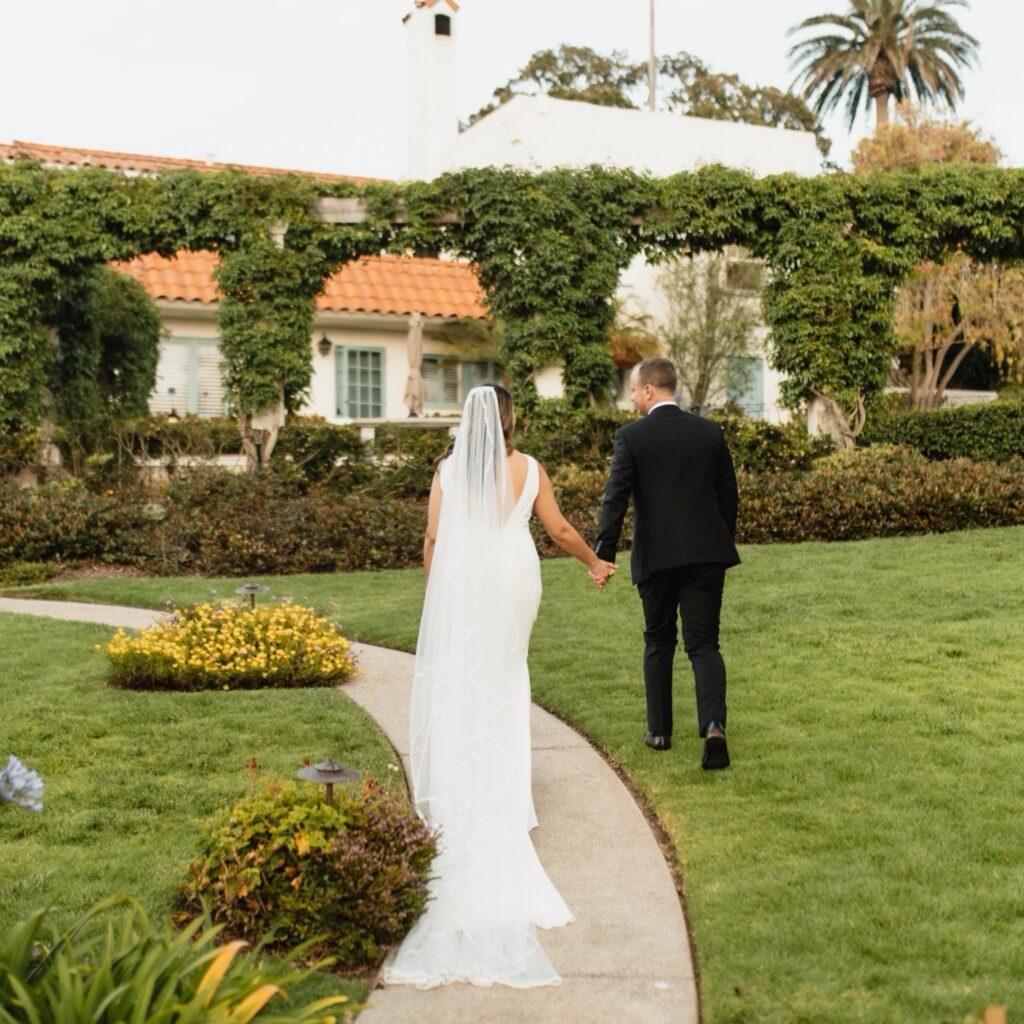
564,534
433,518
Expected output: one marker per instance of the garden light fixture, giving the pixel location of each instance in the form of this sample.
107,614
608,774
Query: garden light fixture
252,589
327,773
324,345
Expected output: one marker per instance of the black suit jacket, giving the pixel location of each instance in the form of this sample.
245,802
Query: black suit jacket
677,469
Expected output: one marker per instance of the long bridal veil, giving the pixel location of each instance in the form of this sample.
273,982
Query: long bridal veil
469,729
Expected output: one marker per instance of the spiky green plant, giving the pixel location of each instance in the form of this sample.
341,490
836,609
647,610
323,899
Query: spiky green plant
883,48
108,968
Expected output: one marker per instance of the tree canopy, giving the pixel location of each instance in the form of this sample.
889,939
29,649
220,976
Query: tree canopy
879,49
685,83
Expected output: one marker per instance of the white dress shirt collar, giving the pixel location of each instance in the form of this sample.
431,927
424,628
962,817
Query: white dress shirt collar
658,405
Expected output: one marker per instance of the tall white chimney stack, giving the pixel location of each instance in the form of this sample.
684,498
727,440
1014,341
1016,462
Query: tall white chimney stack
432,109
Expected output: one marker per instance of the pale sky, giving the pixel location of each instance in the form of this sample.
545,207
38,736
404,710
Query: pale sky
320,84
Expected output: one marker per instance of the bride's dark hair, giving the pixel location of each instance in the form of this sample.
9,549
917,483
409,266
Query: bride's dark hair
507,415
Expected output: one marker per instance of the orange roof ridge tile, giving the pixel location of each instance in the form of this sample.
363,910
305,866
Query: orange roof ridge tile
374,284
74,156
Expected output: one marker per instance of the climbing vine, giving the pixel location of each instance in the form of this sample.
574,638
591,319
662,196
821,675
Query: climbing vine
548,248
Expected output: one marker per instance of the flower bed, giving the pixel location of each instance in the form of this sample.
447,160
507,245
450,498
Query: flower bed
351,876
231,647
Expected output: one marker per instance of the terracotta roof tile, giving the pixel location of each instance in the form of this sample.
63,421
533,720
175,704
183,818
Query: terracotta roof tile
71,156
378,284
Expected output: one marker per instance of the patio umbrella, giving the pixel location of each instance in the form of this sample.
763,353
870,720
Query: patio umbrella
414,382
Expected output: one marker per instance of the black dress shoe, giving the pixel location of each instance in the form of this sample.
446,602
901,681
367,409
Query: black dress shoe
657,741
716,751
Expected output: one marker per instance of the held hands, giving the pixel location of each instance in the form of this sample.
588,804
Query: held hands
601,572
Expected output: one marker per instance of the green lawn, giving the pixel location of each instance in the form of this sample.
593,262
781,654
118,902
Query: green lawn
128,776
863,859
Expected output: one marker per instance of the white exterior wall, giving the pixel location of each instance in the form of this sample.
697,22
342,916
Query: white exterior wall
432,108
183,321
536,133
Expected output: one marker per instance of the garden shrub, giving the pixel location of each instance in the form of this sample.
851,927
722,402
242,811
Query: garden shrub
109,968
405,458
558,435
879,492
763,447
65,521
23,574
353,873
232,647
323,451
992,432
222,524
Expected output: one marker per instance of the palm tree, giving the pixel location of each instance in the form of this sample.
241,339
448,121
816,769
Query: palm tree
884,48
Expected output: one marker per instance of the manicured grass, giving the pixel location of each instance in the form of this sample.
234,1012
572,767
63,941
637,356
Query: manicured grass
129,775
862,859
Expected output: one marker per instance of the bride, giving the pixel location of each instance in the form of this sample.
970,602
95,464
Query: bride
470,714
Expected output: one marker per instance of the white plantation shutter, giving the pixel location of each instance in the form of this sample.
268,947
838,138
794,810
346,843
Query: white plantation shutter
171,390
440,382
209,386
188,378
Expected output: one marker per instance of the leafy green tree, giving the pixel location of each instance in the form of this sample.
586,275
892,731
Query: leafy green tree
573,73
879,49
108,332
688,85
709,328
700,92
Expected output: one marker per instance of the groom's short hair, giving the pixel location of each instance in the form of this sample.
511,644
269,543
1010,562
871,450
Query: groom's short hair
658,372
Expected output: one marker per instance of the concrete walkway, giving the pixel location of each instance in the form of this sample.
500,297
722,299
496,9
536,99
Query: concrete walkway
627,955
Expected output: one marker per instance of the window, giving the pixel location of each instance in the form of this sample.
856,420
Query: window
480,371
360,382
442,25
188,378
440,382
745,384
742,273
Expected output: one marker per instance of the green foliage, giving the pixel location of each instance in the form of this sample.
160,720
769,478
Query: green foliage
349,877
109,968
548,248
879,492
323,452
66,521
221,523
561,436
107,351
882,48
405,458
700,92
762,447
990,432
21,574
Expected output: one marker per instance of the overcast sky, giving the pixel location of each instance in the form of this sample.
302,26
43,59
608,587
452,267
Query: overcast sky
320,84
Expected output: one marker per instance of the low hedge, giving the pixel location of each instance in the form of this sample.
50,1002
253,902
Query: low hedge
215,522
993,432
66,521
285,867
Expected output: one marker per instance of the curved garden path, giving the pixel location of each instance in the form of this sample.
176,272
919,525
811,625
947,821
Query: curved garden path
627,955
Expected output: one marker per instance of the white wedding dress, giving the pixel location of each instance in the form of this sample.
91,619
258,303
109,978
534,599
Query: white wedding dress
470,729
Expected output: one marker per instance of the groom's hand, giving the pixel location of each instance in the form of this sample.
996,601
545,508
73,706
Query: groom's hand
601,572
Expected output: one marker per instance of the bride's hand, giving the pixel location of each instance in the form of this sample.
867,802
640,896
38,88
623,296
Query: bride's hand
601,573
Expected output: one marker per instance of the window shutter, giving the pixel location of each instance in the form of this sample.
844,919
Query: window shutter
209,384
170,392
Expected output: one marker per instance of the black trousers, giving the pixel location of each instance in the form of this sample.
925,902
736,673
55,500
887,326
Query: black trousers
694,593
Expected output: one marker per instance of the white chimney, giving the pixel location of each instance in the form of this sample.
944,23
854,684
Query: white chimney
431,87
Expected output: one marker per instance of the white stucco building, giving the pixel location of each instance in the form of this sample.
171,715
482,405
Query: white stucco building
537,132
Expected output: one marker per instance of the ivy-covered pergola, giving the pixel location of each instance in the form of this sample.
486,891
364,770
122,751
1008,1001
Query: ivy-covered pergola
548,249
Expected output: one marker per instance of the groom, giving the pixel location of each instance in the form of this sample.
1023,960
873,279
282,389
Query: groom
677,469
